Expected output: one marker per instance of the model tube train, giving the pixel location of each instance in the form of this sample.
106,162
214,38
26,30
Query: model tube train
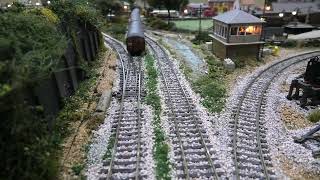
135,39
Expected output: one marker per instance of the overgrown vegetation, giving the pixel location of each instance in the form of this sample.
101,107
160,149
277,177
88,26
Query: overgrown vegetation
117,27
158,23
314,116
289,44
201,38
30,50
110,146
161,148
32,43
211,87
77,169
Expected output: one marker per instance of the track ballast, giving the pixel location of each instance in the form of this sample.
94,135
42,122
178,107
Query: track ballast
126,156
250,150
193,153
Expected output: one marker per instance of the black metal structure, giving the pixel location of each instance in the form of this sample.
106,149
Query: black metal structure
135,37
309,83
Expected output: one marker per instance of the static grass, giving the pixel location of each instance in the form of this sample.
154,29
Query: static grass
211,87
314,116
193,25
108,153
161,148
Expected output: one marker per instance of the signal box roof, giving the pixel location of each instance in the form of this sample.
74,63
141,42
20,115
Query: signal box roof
237,17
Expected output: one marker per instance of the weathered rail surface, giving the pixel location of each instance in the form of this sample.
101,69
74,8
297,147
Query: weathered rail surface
128,150
250,150
193,153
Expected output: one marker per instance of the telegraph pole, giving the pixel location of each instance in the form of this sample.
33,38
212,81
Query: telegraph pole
200,22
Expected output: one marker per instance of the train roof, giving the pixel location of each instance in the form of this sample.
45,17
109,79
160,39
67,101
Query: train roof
135,15
135,29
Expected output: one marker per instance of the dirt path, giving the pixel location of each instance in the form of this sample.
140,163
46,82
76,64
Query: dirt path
75,145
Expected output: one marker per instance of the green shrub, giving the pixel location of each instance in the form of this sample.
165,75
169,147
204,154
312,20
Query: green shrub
211,87
289,43
312,43
116,29
158,23
31,48
314,116
71,12
201,38
77,169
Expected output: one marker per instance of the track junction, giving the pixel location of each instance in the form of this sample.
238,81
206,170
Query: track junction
194,157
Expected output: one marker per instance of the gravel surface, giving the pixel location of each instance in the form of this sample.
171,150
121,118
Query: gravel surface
216,135
101,137
147,137
95,164
100,143
279,138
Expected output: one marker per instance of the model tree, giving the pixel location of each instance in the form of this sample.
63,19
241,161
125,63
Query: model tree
108,6
168,5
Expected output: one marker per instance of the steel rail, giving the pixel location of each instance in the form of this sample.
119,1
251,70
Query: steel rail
138,84
265,171
208,154
139,123
184,161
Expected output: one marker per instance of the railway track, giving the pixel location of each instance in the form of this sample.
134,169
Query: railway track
193,153
125,160
250,149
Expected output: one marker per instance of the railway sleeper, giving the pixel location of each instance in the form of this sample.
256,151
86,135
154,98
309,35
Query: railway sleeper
129,143
262,136
250,124
119,169
127,138
188,118
257,175
191,153
248,137
249,160
188,141
125,127
193,136
262,129
132,176
198,175
197,166
241,148
192,131
122,163
242,136
128,133
250,130
123,148
127,155
250,167
192,146
195,160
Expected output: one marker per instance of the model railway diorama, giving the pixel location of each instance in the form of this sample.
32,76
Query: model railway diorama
193,154
240,100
